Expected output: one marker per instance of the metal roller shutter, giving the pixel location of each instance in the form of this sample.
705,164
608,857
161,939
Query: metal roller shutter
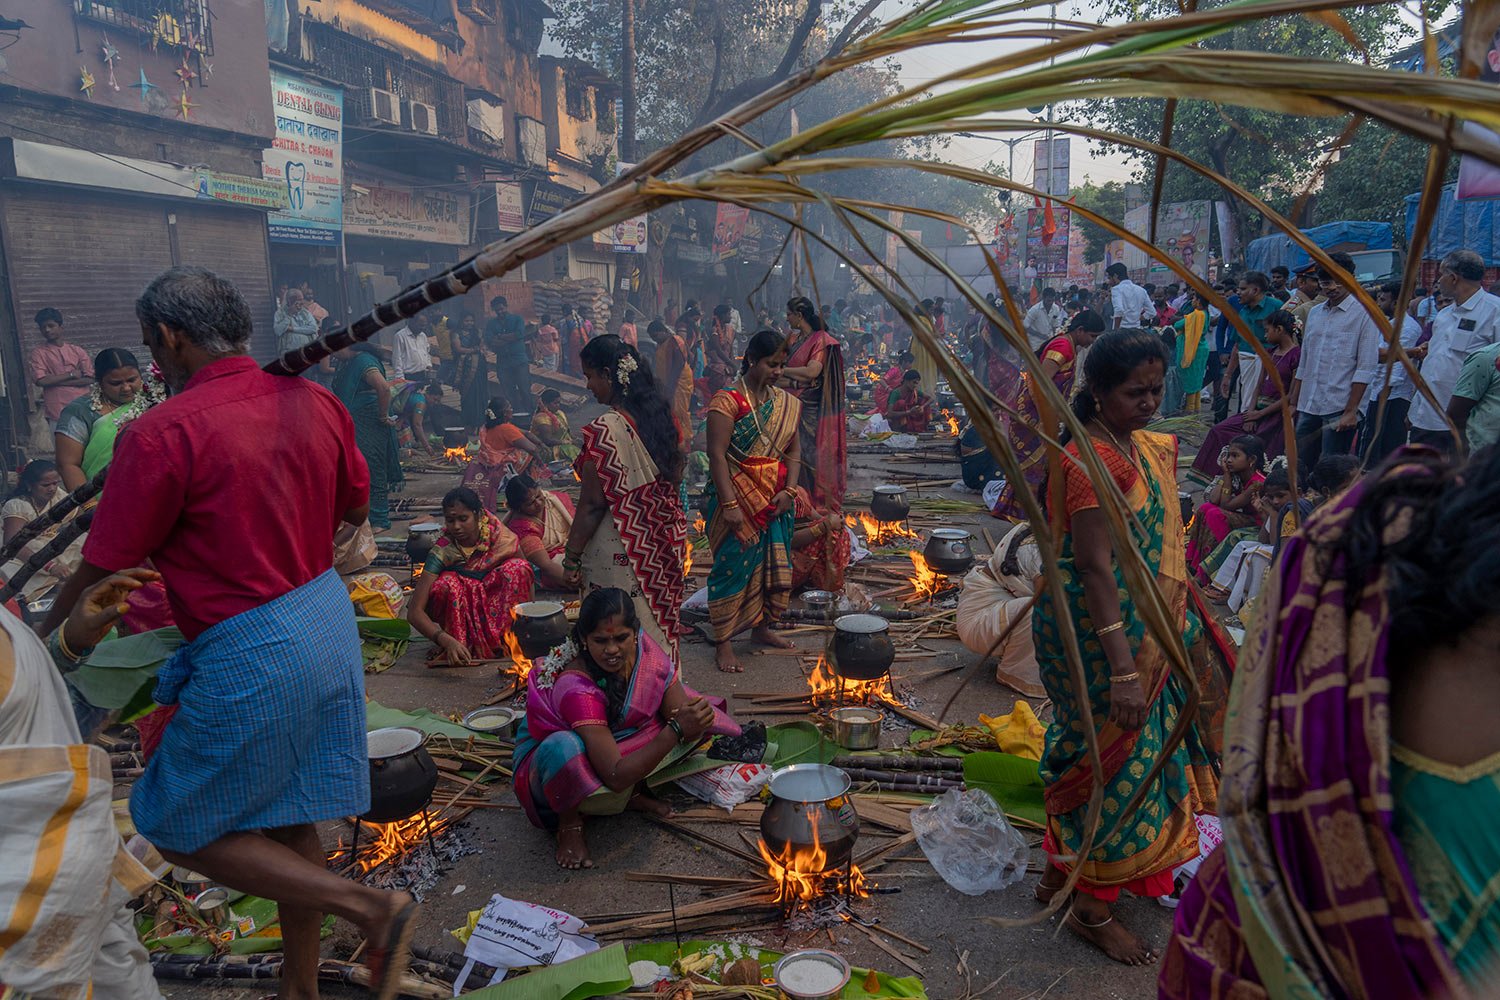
87,254
232,243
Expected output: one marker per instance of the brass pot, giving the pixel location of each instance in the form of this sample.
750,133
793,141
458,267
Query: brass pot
889,503
810,805
539,626
948,551
862,647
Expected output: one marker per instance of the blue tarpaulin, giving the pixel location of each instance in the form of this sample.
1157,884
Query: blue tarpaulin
1268,251
1458,225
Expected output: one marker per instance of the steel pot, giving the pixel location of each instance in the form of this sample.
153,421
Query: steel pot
948,551
402,774
494,720
862,647
857,727
539,626
827,967
810,806
420,538
889,503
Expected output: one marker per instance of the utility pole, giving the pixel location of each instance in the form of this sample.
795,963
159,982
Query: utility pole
627,81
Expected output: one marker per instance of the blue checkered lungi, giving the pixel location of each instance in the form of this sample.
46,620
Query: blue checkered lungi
270,724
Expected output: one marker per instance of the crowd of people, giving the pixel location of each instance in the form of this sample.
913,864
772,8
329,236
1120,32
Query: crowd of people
764,415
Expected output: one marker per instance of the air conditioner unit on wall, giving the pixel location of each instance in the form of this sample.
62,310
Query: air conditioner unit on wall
384,107
421,117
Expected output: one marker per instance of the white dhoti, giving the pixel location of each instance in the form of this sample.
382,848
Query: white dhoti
1251,372
1243,572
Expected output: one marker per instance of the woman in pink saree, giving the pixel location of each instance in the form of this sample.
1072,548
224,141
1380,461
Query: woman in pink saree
604,711
814,373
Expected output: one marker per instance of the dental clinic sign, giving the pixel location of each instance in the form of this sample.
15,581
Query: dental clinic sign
306,159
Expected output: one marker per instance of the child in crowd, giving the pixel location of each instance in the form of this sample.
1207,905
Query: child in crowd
1229,502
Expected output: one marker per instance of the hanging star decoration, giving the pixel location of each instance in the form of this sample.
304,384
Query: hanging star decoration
208,69
184,106
185,73
145,86
85,81
110,55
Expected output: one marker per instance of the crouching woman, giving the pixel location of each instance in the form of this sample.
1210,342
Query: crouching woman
604,711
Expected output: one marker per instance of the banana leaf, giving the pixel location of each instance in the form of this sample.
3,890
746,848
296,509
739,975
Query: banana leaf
599,974
798,743
1013,781
665,953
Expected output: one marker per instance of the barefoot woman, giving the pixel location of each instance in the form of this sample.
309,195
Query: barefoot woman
604,711
1134,698
752,454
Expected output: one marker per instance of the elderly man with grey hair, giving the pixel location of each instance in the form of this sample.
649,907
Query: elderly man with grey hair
268,735
1470,324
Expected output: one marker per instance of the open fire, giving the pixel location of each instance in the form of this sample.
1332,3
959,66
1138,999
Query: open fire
520,662
378,843
879,532
802,875
687,559
699,525
952,423
829,690
925,580
459,455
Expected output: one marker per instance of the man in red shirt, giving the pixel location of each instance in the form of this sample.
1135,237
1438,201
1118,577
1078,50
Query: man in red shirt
269,732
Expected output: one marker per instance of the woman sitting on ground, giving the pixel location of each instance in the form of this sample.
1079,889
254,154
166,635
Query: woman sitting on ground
541,520
820,546
891,381
86,428
465,599
909,408
409,410
604,711
36,491
1228,503
549,425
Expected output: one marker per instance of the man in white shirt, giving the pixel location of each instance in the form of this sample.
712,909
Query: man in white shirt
1132,306
1043,320
1340,358
411,347
1470,323
1375,444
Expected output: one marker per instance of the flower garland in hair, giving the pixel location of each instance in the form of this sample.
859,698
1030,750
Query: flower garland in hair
555,663
1279,462
623,368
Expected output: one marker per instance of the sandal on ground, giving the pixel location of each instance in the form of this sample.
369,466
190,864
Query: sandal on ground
388,962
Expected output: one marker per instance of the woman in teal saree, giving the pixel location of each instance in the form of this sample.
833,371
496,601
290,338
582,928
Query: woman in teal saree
360,384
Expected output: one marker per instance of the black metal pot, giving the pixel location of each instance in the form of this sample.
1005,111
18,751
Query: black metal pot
948,551
539,626
420,538
889,503
402,774
862,647
455,437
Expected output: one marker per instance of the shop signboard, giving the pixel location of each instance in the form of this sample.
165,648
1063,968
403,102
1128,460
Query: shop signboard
394,211
246,192
1182,229
510,210
306,159
546,201
630,236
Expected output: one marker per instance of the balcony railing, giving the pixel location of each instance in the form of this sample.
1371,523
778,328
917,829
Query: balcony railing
178,24
360,65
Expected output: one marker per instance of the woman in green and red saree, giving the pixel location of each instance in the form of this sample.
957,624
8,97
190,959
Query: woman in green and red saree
465,599
604,711
752,449
1134,698
1360,849
814,373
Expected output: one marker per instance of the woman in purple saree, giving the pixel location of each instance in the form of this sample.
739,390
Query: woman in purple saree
604,711
1359,787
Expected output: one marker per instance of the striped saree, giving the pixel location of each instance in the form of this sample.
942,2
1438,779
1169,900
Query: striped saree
751,581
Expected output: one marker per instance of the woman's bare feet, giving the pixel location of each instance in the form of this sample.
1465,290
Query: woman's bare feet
641,802
1091,920
1052,880
572,849
766,637
725,659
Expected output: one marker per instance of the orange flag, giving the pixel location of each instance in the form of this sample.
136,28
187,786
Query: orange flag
1049,224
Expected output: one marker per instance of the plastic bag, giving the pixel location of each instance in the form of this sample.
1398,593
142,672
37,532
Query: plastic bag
728,786
970,843
510,934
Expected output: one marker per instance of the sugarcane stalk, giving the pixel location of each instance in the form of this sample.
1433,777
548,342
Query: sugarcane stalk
893,777
42,556
901,762
52,515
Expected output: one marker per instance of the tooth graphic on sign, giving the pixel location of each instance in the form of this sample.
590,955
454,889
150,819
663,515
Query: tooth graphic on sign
296,180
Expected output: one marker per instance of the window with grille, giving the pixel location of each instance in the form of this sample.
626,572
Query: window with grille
578,101
176,23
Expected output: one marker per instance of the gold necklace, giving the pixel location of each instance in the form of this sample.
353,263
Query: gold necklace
1127,452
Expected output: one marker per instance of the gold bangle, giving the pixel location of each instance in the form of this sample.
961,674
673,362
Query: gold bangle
66,650
1124,678
1106,630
